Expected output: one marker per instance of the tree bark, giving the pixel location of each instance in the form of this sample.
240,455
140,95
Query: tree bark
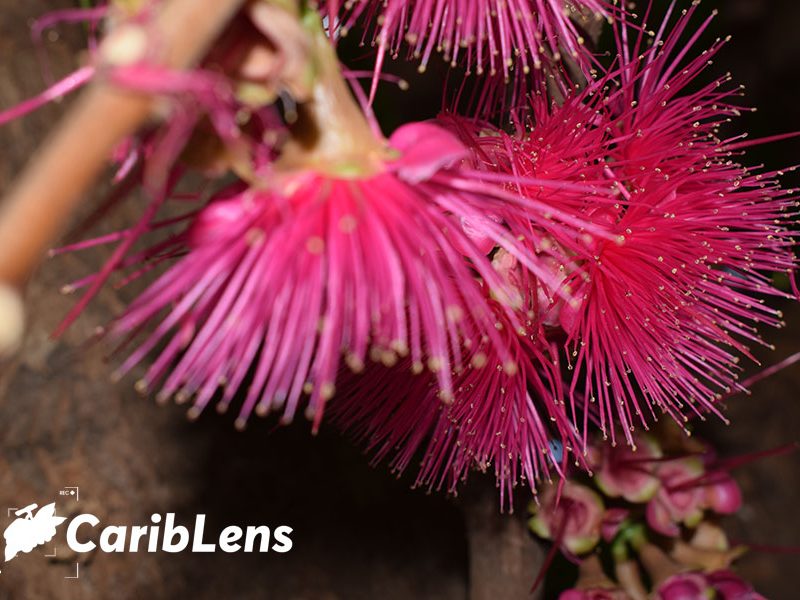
504,558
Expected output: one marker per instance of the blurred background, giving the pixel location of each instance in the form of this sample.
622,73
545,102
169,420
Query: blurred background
359,532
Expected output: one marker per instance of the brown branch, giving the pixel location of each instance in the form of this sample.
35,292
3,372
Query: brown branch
50,188
503,556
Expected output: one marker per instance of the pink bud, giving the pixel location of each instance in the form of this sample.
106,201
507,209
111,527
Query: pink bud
629,473
475,228
576,516
612,521
677,501
216,221
425,149
685,586
724,497
659,519
730,586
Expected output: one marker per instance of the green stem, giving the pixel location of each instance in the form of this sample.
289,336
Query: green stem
331,133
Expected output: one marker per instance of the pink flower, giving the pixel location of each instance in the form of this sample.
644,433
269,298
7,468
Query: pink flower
273,285
505,411
561,163
677,501
487,36
659,309
572,519
730,586
702,236
685,586
628,473
688,487
719,585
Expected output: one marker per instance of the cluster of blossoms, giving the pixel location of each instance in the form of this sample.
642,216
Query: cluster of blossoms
652,512
613,329
525,296
471,293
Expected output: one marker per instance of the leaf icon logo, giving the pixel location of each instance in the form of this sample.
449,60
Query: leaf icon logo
29,531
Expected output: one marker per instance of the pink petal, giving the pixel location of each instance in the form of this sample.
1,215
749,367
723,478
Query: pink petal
425,149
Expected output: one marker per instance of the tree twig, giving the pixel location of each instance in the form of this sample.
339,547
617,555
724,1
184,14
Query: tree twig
50,188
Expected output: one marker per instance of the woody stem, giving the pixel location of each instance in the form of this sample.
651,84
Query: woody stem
503,556
51,187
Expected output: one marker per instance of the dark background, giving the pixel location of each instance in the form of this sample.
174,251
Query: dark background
359,533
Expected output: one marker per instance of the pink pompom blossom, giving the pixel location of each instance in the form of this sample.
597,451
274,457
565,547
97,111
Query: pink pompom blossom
273,284
702,234
661,310
486,35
